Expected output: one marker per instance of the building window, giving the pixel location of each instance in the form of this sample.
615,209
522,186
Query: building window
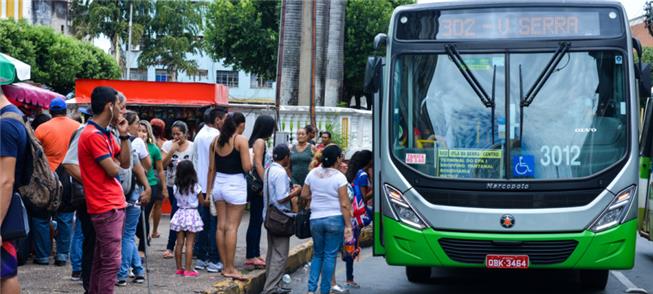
258,83
202,74
137,74
227,77
161,75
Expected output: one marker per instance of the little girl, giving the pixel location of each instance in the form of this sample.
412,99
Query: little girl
187,221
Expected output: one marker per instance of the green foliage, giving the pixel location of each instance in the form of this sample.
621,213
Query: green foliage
364,19
110,18
244,34
333,127
647,56
171,35
56,60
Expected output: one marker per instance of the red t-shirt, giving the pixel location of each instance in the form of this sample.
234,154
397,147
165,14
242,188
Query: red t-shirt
103,193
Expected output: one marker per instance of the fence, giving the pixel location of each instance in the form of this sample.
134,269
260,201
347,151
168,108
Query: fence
351,128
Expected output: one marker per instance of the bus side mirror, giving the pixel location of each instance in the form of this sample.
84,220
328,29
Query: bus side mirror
645,81
646,139
373,70
380,40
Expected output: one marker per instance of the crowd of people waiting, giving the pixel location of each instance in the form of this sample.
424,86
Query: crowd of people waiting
124,167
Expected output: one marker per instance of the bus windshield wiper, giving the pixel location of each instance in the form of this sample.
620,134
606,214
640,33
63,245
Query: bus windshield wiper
544,75
525,101
469,76
473,82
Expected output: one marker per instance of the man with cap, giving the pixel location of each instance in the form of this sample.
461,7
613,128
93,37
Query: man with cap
277,191
54,136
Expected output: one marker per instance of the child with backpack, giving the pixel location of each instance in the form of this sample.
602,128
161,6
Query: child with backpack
357,176
187,221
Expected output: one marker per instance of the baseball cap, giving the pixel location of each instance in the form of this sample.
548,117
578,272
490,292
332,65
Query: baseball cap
57,104
280,152
86,111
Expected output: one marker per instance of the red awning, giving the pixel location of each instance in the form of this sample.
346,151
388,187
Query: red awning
158,93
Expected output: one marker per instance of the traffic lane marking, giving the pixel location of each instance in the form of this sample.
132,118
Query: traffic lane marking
630,286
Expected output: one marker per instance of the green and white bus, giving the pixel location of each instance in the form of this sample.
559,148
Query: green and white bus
506,135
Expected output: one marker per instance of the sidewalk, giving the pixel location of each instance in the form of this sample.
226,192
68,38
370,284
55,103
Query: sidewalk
53,279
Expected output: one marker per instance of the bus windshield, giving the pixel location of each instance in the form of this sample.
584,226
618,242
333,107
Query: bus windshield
575,125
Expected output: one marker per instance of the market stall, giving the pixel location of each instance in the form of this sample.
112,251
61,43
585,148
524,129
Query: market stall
168,101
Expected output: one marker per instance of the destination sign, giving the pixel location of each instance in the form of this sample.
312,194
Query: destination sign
517,25
509,23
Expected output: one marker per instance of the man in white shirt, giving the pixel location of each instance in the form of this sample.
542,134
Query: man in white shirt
206,249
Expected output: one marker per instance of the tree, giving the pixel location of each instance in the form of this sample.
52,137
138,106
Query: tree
91,19
364,20
171,35
56,60
244,34
335,53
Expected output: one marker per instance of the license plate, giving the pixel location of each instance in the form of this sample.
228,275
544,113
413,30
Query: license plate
506,261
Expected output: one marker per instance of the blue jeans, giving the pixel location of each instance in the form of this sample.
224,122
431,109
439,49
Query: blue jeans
205,247
42,243
76,247
130,257
327,240
172,235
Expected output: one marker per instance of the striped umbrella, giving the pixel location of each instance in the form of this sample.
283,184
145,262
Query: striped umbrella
12,70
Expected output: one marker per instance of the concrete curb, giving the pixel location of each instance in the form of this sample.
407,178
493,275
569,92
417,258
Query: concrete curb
297,257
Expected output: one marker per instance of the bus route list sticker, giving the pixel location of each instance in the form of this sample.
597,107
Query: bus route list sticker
415,158
523,166
469,163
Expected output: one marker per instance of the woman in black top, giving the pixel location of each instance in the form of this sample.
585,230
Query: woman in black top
228,161
263,129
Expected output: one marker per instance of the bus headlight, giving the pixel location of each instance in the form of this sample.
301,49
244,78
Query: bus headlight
615,213
402,209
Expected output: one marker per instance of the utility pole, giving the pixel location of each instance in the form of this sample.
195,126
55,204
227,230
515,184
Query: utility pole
129,43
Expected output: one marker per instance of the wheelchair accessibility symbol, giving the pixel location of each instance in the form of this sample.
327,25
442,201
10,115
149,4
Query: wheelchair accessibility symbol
523,166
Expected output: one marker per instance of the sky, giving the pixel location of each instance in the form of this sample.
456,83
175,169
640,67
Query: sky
634,8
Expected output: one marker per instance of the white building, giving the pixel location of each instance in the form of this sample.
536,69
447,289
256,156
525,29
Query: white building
243,86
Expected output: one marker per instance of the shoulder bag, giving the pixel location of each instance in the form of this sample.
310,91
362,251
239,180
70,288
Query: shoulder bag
15,225
303,223
277,222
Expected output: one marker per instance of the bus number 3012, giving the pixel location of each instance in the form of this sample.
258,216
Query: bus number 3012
556,155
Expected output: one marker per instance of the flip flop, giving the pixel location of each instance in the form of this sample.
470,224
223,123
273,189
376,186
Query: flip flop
168,255
236,277
157,235
257,263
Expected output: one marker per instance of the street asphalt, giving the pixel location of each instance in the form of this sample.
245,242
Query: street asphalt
375,276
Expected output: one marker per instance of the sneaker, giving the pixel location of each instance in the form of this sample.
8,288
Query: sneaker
191,274
76,276
41,263
121,283
214,267
352,285
131,273
139,280
180,272
337,289
201,265
60,262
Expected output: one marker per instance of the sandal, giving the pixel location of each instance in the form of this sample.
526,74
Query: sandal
157,235
255,262
237,277
167,254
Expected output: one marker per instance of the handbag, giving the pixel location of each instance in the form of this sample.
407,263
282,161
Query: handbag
303,223
277,222
15,224
254,183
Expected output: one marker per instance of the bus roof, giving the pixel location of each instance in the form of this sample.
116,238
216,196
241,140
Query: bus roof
453,3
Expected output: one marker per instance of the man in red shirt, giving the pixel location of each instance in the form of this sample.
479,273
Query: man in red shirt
100,160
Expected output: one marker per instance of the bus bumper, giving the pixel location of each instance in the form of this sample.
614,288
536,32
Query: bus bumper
611,249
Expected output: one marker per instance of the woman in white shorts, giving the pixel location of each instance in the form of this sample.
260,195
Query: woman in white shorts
228,162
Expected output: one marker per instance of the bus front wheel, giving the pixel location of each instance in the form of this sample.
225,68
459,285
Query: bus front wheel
418,274
593,279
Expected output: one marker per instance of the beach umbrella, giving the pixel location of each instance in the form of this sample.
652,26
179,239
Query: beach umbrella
12,70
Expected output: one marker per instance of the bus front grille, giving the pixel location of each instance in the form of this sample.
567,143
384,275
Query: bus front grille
539,252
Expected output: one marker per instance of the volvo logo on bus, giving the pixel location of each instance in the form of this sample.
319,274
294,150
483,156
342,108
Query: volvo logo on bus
507,221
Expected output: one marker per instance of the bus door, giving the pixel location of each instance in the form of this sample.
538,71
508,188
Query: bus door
645,211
